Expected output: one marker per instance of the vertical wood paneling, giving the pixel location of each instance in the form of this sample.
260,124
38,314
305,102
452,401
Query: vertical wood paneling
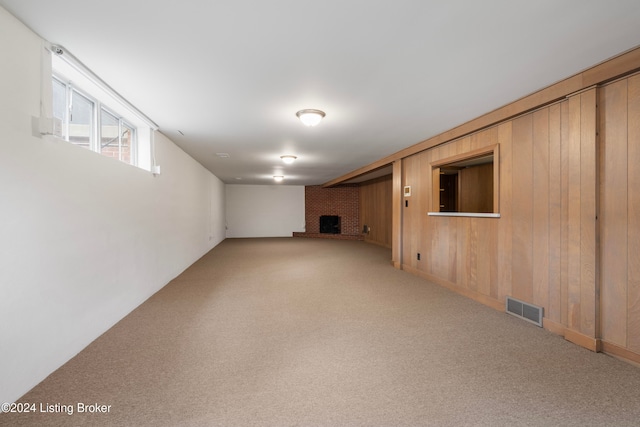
446,150
574,214
464,145
474,141
522,178
488,137
472,254
452,255
568,238
396,232
387,218
439,246
553,311
483,257
407,179
376,209
633,162
430,222
505,226
461,251
589,305
480,256
425,206
613,212
413,211
462,260
541,207
494,255
476,188
564,206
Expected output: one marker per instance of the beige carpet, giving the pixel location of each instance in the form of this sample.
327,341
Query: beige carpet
311,332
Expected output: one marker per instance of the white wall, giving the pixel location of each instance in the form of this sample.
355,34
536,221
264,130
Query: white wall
84,239
264,210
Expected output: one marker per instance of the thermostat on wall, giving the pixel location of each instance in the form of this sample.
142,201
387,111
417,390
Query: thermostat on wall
407,191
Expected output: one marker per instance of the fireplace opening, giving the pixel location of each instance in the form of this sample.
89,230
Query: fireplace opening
330,224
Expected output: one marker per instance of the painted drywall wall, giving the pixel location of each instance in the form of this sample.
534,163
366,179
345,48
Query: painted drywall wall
264,210
84,239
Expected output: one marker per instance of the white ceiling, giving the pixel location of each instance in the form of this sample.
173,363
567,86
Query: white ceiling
231,74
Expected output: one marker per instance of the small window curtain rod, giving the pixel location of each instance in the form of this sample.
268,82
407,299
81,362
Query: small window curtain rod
77,64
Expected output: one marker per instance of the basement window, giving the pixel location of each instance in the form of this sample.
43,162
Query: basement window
86,122
117,137
87,115
467,184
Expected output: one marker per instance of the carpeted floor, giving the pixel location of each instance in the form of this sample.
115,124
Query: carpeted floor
314,332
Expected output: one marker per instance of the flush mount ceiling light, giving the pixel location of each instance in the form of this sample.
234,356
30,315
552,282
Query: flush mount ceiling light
310,117
278,178
288,159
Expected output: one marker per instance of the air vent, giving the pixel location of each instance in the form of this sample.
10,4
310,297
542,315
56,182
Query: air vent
523,310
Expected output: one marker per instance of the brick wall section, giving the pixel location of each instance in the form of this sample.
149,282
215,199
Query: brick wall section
114,152
343,201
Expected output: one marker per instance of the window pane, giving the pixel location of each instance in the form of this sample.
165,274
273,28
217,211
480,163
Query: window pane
109,141
81,122
59,107
127,143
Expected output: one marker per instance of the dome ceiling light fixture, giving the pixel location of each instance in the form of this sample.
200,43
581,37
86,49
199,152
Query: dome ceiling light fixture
288,159
278,178
310,117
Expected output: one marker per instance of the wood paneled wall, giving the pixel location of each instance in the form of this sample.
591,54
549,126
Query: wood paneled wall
476,189
568,190
568,238
620,214
376,210
543,247
396,214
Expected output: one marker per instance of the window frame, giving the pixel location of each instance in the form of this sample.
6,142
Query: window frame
469,155
96,129
122,122
68,117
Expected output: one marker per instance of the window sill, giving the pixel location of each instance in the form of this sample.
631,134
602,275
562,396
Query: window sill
465,214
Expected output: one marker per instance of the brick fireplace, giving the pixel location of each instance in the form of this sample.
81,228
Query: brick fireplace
342,201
